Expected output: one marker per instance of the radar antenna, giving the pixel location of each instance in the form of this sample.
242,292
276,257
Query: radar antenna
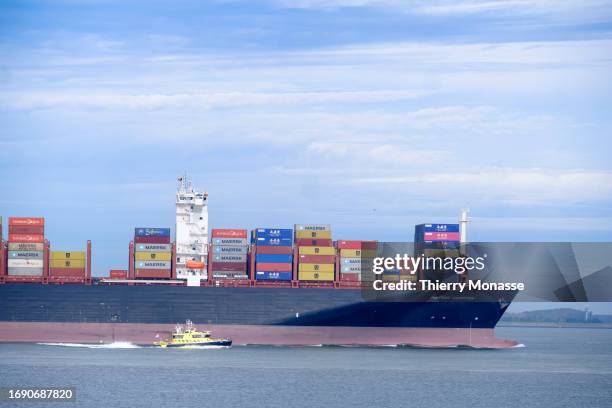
184,183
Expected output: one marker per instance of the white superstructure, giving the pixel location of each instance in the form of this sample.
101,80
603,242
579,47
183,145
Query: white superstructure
191,231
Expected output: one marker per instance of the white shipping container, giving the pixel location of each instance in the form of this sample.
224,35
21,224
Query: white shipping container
25,271
153,247
312,227
230,241
153,264
25,246
25,263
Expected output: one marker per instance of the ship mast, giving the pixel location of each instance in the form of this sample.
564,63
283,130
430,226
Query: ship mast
463,223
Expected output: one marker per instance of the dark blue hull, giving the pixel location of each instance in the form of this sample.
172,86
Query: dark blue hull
235,306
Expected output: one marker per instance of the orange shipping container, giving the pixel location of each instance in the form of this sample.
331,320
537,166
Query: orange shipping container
26,238
26,221
229,233
118,273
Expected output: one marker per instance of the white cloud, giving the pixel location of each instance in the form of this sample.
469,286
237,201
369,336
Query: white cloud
427,119
368,154
384,72
508,186
576,10
505,55
563,224
197,100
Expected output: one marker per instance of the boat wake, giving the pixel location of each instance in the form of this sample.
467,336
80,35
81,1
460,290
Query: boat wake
115,345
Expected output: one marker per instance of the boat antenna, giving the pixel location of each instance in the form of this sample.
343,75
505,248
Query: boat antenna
184,184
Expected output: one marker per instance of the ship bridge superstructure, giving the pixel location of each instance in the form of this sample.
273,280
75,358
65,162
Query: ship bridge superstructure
191,231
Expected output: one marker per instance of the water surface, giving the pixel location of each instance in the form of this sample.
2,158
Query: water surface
556,368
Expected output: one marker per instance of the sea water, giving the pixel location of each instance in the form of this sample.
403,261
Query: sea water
555,368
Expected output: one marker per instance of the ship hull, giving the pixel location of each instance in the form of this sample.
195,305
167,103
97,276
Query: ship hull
266,316
147,334
218,343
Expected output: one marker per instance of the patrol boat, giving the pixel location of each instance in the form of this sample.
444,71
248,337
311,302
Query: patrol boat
189,336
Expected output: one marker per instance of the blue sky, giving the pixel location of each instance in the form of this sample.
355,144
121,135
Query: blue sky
371,115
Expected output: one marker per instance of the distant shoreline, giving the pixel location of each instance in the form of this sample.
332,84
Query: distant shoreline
556,325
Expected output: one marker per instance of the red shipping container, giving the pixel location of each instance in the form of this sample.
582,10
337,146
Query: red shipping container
317,259
153,273
350,277
118,274
26,221
27,229
70,272
152,240
441,236
265,249
313,242
344,244
26,238
229,266
229,233
273,267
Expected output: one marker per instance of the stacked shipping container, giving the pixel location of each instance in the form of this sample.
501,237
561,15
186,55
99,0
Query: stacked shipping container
229,253
67,264
355,257
273,248
118,274
435,237
26,246
152,253
316,255
436,240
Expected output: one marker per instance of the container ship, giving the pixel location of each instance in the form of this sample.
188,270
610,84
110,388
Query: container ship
274,286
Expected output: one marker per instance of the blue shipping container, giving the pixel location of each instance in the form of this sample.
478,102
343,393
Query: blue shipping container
273,241
274,258
272,233
152,232
421,229
284,276
438,227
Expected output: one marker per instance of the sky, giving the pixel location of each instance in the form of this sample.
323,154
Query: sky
370,115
